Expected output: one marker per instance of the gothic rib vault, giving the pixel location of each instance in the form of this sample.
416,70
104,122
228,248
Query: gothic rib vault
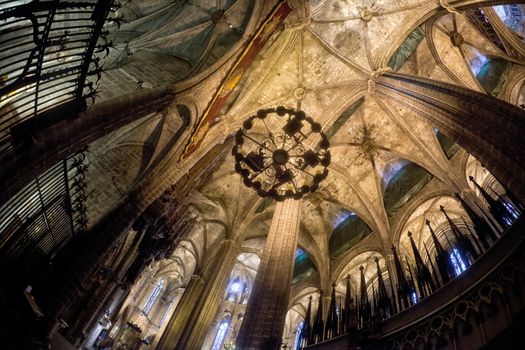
322,62
325,59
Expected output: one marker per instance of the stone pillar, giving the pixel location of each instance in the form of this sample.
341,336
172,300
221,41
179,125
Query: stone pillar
198,307
87,253
24,162
264,319
182,313
488,128
93,309
480,208
390,266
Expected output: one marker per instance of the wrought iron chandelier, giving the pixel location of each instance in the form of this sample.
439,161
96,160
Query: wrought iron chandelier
281,153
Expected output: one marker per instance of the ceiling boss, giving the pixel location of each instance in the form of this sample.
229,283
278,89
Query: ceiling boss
281,153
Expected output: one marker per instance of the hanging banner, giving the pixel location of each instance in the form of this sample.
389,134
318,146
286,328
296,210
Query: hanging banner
243,62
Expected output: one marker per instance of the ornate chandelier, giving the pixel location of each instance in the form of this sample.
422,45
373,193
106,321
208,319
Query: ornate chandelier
281,153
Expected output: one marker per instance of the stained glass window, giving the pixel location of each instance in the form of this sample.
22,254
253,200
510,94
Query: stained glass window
511,15
479,63
457,262
221,334
235,287
298,331
153,297
512,211
166,312
414,298
245,295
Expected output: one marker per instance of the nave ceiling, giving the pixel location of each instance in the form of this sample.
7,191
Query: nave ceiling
323,60
167,214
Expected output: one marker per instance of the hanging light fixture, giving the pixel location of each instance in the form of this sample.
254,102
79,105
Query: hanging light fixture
281,153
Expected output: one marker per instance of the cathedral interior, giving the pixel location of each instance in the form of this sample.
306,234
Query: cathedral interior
262,174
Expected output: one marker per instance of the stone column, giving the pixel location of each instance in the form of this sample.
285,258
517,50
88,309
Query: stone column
198,307
93,309
488,128
182,313
389,264
24,162
480,208
264,319
87,253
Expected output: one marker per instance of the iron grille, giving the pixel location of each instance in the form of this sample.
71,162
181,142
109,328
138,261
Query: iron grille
50,56
44,215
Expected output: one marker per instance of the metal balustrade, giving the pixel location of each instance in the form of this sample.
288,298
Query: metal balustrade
47,213
460,243
488,298
50,54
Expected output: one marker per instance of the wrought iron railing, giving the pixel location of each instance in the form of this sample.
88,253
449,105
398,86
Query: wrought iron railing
50,52
47,213
479,309
461,244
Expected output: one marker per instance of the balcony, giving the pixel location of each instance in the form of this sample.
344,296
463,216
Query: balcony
480,308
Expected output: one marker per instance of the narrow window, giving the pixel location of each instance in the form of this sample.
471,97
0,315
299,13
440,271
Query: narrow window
166,312
221,334
513,212
234,291
235,287
153,297
414,297
298,336
457,262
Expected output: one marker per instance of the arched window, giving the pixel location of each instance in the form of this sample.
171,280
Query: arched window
166,312
221,334
457,262
403,184
153,297
245,295
479,63
511,15
298,336
235,287
513,212
234,290
349,230
303,266
414,298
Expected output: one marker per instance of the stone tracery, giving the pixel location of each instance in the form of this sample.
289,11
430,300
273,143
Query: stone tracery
335,57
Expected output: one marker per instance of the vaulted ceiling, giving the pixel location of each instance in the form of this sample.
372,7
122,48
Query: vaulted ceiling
389,167
321,62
